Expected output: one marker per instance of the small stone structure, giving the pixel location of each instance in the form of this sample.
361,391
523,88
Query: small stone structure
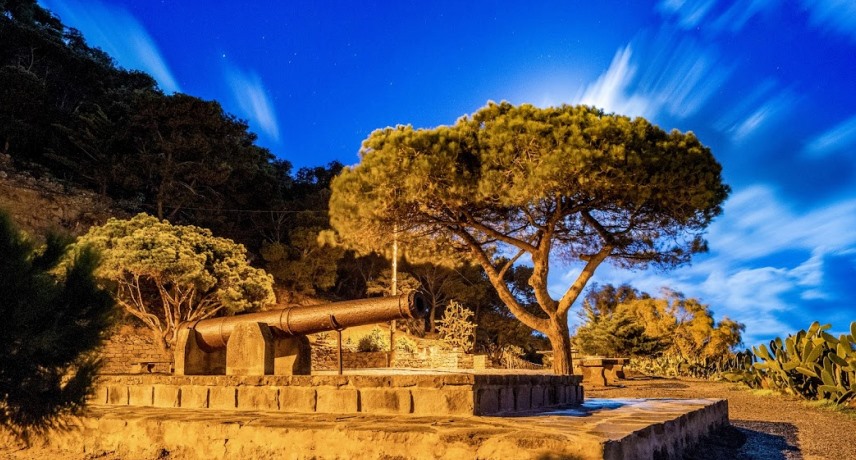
406,394
602,371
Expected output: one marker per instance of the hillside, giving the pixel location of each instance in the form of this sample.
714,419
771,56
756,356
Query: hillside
43,204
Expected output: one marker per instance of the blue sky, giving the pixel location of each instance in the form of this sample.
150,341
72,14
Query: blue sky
769,85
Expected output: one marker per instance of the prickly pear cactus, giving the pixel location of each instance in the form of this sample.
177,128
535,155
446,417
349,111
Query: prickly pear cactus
812,364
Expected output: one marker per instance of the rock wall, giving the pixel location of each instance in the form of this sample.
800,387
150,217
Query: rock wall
325,358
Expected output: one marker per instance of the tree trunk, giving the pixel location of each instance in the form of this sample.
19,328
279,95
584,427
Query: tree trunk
560,340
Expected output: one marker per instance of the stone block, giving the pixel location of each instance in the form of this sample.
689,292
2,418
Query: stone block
292,356
488,401
522,398
166,396
193,396
99,396
250,350
117,395
258,398
140,395
297,399
446,401
222,398
537,397
506,399
385,401
337,400
551,395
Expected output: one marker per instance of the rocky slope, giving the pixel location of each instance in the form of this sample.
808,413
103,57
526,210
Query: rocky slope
42,204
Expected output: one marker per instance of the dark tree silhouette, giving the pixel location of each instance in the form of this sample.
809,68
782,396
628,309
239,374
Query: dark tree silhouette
51,319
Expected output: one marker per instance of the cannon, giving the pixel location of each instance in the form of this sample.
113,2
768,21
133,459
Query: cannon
274,342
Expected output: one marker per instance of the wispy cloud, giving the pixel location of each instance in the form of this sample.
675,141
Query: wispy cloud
763,106
689,12
839,138
253,100
839,16
611,91
734,19
672,75
120,34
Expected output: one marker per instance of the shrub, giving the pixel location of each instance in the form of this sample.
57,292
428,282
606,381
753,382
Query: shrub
376,340
405,344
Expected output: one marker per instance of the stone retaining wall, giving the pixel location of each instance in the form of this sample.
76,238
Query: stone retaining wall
128,346
414,394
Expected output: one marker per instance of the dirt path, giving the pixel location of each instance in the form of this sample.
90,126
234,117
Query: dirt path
764,427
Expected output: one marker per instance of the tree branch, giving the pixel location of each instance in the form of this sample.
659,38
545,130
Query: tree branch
574,291
498,283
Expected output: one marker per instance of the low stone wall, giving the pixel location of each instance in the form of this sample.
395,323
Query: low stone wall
127,347
325,358
414,394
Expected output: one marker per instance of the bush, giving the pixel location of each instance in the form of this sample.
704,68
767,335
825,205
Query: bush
457,329
376,340
405,344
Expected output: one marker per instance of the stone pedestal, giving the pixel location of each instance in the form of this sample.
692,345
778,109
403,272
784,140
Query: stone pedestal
190,359
292,356
250,350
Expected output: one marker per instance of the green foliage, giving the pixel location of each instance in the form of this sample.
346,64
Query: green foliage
303,265
671,335
165,274
696,367
457,329
376,340
618,335
405,344
51,325
812,364
519,180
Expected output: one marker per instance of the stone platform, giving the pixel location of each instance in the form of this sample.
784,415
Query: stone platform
366,392
597,429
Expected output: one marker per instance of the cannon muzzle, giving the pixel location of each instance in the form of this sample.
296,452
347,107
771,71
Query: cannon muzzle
214,333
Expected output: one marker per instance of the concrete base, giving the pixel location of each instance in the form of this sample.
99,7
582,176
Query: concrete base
614,429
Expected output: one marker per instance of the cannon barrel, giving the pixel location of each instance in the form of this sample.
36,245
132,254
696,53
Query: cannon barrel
214,333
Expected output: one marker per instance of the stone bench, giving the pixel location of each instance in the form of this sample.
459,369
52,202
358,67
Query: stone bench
602,371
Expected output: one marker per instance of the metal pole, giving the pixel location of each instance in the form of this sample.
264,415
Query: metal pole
391,356
339,336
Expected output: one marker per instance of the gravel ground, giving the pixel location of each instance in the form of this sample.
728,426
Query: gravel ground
763,426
